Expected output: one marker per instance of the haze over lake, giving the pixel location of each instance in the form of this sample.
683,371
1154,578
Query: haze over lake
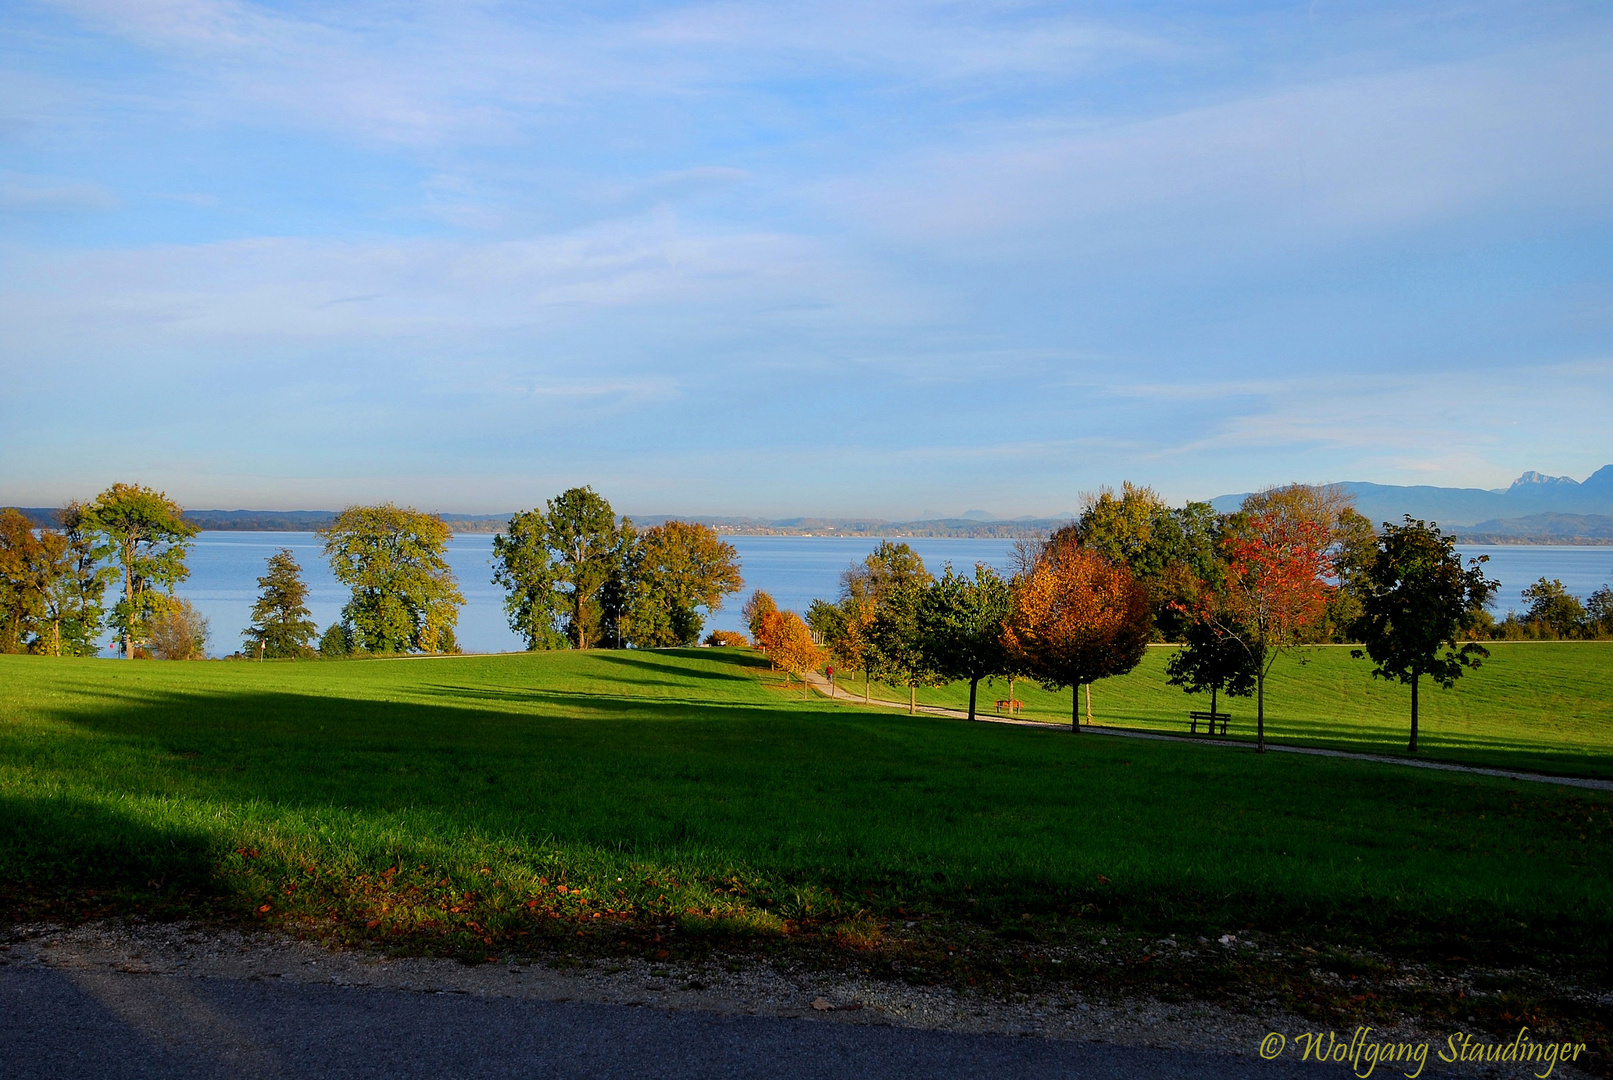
225,567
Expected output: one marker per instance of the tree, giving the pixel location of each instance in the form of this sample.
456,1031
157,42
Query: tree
843,629
1350,543
756,610
1599,611
887,567
146,533
1416,599
1212,659
1554,607
1275,592
394,559
1171,551
26,562
556,563
1076,618
895,646
179,632
961,625
676,569
790,646
282,626
80,592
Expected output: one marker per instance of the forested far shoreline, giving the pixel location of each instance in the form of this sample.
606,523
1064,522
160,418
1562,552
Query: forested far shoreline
1554,530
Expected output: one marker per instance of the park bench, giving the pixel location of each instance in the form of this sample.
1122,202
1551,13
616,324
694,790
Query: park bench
1013,705
1209,720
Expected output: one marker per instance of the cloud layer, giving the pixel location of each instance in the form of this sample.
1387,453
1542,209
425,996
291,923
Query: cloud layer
731,258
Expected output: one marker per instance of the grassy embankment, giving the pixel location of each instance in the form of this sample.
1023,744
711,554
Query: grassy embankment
1538,706
646,800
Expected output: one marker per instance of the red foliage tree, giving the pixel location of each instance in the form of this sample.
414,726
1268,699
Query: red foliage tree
1276,590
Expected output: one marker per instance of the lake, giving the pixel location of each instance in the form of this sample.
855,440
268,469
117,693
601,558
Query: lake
225,567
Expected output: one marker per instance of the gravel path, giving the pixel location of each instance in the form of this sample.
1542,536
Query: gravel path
820,684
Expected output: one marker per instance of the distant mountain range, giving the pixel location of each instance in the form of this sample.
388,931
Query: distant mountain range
1536,508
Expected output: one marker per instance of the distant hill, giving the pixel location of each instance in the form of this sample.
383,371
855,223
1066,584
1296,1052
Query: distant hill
1541,529
1530,496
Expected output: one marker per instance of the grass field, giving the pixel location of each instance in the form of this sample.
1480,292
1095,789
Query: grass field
1540,706
455,797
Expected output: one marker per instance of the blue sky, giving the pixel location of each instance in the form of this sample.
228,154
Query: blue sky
840,258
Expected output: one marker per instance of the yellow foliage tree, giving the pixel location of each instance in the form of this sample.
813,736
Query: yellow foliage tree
1078,617
789,645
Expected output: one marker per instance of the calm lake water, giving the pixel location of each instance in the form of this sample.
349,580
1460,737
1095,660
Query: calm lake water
225,567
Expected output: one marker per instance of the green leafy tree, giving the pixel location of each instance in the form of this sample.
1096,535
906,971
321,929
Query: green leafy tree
887,567
146,534
1416,599
1552,606
336,643
677,574
80,592
556,563
282,626
1599,611
524,566
404,595
961,622
895,650
1212,659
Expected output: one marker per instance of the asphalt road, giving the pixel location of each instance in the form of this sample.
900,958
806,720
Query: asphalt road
63,1025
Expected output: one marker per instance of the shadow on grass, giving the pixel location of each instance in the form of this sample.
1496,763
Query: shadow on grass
651,662
58,851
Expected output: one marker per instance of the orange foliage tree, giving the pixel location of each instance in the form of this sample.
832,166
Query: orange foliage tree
789,645
1276,591
1077,617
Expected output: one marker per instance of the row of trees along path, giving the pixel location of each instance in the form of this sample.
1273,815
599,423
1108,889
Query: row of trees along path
1293,567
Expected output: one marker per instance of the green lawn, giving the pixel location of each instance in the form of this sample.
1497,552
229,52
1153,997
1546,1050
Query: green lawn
455,796
1540,706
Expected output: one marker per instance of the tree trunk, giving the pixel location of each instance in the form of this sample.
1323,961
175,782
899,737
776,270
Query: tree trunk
1412,746
1089,703
582,631
1212,708
128,595
865,686
912,699
1260,709
1075,710
973,683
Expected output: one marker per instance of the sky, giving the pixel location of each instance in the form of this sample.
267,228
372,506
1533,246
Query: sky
783,259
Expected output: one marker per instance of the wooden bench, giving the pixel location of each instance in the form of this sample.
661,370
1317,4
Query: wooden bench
1013,705
1209,720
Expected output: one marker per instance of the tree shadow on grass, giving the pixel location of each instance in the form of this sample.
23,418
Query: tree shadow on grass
58,851
650,662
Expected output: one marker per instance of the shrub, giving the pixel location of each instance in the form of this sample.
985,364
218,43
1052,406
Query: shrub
179,633
726,637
